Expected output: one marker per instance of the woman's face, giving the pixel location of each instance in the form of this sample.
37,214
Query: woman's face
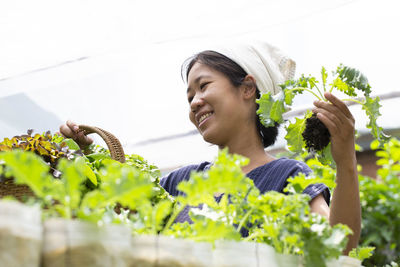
216,107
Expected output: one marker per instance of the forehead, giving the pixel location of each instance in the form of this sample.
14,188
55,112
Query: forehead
200,70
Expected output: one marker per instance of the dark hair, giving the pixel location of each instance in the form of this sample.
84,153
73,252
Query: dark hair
236,75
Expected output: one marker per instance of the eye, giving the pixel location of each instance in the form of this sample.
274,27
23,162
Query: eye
203,85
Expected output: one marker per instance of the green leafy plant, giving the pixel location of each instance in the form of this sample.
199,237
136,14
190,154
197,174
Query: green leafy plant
361,253
308,133
282,221
63,197
380,204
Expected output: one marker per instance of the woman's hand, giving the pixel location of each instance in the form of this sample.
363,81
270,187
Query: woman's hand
71,130
340,122
345,204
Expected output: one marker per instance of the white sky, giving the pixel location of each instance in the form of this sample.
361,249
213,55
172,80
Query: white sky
128,79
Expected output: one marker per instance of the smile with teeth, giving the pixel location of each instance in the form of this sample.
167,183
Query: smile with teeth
205,116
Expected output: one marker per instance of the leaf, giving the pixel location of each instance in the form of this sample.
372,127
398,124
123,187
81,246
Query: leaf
72,178
294,136
7,142
354,78
325,156
361,253
324,76
300,182
374,145
42,151
5,148
72,144
358,148
343,87
87,171
206,230
288,87
225,176
124,184
93,199
277,110
371,107
271,108
27,168
161,210
265,103
97,156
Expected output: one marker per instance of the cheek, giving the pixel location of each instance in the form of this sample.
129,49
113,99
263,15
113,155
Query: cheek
191,116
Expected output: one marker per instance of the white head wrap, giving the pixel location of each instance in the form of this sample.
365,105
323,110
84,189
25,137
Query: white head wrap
269,66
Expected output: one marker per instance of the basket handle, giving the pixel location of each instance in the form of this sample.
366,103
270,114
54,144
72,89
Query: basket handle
113,144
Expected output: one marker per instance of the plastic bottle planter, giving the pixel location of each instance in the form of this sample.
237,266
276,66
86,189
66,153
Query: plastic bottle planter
344,261
74,243
20,234
70,243
164,251
296,261
249,254
288,260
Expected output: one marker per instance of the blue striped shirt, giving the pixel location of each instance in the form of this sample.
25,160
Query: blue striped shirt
271,176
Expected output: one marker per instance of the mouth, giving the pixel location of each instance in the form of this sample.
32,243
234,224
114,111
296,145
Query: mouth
204,117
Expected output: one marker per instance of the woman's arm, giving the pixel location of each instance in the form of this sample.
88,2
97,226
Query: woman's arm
345,205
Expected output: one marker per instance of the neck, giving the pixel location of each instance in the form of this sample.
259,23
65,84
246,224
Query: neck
251,147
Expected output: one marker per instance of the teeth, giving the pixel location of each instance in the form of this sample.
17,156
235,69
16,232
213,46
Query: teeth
205,116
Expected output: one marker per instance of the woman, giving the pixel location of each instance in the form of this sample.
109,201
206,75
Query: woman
223,85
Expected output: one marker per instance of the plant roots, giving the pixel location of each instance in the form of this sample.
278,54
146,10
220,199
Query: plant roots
316,135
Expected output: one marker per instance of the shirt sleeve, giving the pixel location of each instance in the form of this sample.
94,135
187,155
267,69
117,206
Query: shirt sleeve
312,190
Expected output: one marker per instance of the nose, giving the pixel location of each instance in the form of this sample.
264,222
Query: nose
196,103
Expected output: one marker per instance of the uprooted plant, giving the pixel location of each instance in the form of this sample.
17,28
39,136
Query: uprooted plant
309,133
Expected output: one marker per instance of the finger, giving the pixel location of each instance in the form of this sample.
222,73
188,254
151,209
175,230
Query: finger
67,131
73,126
332,127
338,103
83,139
329,109
330,115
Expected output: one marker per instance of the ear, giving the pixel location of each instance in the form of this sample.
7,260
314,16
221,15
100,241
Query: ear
249,87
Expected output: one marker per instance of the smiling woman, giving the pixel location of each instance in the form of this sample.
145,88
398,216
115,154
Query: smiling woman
223,85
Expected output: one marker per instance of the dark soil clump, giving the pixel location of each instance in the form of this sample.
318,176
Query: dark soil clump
316,135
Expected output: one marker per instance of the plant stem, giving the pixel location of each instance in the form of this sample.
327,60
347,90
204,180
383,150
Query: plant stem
244,219
255,235
308,90
173,217
226,211
318,90
353,100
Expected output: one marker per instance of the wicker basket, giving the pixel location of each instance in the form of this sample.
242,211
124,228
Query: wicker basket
9,188
113,144
21,192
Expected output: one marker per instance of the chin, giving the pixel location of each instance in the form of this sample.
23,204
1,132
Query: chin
210,138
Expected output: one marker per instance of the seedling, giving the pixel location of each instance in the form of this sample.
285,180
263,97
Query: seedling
309,133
